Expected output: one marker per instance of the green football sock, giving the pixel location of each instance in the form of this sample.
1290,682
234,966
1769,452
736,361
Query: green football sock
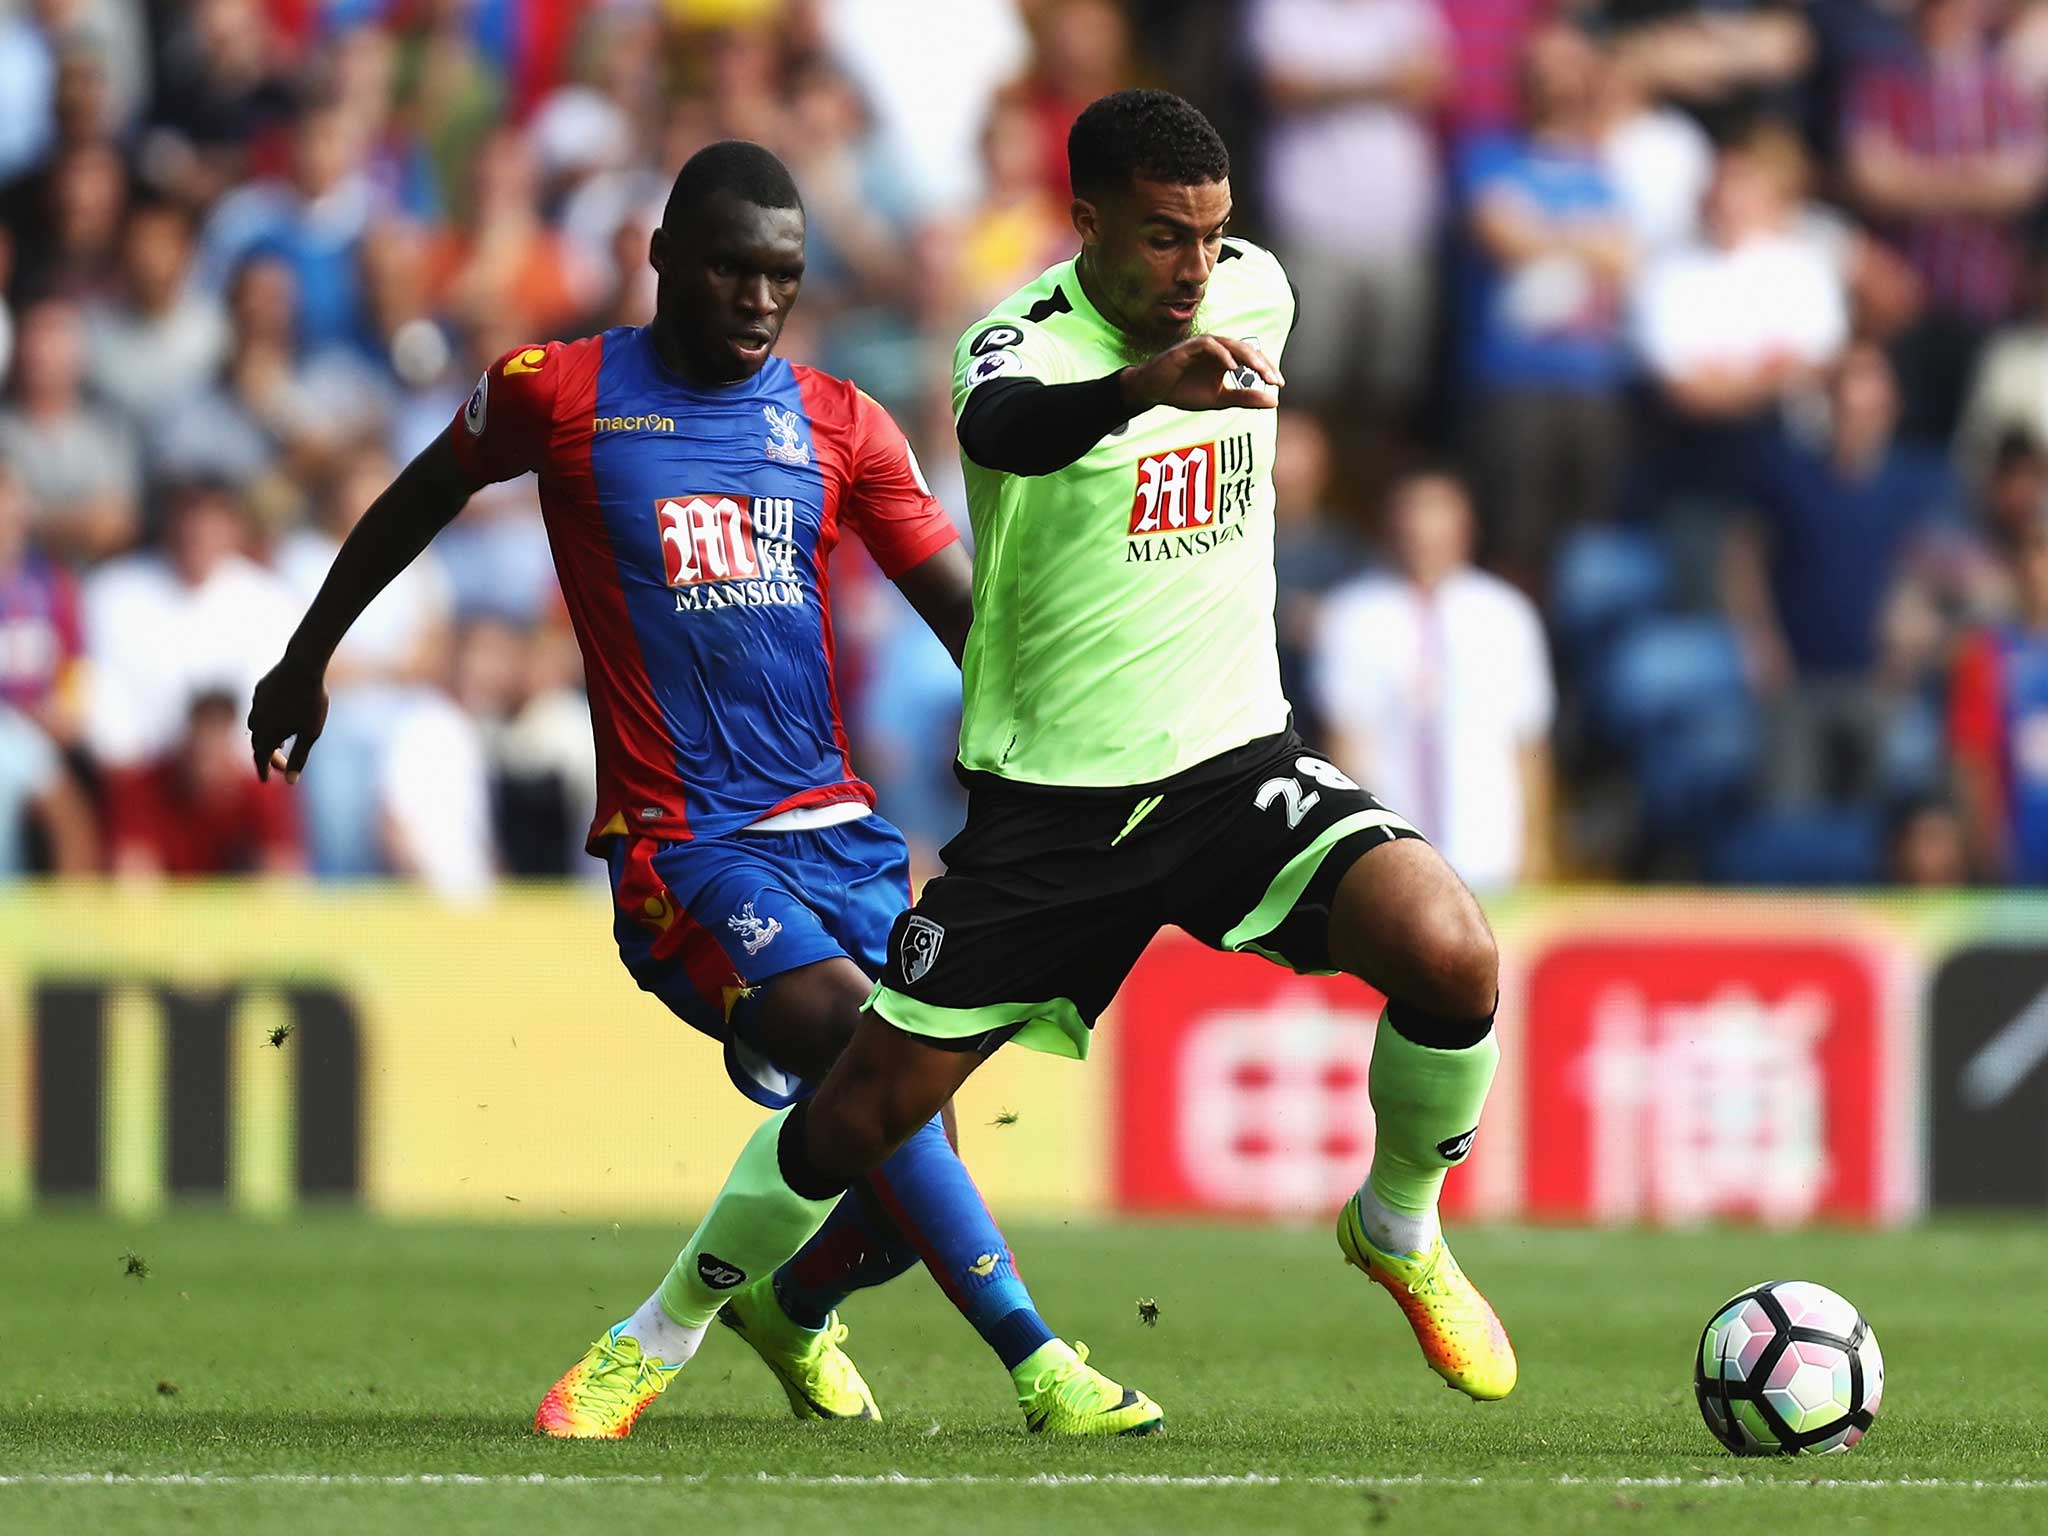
756,1224
1426,1105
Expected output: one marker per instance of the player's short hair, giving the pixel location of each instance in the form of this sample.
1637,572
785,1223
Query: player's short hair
738,166
1148,135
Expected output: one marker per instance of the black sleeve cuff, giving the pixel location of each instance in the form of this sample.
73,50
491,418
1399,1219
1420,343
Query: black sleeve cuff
1023,427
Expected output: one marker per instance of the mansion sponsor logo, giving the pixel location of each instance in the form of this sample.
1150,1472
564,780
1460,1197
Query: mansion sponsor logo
1190,500
729,551
633,424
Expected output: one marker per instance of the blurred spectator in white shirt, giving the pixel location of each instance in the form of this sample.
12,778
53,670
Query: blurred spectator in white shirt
1730,323
591,122
1434,682
159,339
434,798
433,775
1659,159
1352,84
403,635
163,626
78,461
390,653
2009,392
931,71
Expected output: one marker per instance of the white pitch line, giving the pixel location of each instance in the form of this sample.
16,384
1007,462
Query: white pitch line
1718,1481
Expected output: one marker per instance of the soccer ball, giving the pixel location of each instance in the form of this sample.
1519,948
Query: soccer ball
1788,1367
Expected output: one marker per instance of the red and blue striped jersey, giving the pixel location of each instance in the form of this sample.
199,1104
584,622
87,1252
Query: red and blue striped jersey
691,530
1998,721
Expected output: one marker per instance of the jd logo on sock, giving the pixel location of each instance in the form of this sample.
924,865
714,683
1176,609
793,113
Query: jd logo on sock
1454,1150
718,1274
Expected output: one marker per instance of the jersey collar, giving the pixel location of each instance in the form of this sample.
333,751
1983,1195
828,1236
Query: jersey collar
766,380
1085,306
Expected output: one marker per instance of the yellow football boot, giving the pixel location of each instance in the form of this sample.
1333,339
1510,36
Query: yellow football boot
1068,1396
818,1377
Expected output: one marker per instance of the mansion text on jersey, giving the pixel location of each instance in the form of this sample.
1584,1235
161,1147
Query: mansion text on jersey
740,594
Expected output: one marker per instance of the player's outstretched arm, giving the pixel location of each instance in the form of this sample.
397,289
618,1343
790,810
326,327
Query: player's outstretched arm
1023,427
291,700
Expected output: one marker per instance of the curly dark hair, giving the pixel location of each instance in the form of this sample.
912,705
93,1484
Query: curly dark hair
738,166
1153,135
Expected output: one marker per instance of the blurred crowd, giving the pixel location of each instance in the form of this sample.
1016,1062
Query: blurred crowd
1662,474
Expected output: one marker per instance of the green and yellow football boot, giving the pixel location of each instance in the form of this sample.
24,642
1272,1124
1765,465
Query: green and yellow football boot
1067,1396
816,1374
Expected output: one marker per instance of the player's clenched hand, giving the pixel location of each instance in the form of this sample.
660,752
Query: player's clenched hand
290,704
1206,373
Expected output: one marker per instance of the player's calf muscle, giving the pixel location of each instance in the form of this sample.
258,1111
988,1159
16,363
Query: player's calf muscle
1404,923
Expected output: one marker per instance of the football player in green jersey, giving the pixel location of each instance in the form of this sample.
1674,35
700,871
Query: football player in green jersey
1128,753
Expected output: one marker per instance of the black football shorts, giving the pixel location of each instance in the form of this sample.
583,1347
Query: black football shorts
1051,894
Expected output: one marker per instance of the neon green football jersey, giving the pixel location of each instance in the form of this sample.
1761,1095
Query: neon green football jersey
1123,606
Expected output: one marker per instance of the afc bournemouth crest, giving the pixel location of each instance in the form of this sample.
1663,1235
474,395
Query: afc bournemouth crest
919,949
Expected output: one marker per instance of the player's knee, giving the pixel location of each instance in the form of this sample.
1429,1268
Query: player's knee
808,1043
845,1133
859,1118
1455,962
808,1016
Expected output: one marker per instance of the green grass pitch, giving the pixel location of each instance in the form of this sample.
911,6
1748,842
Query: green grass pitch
334,1374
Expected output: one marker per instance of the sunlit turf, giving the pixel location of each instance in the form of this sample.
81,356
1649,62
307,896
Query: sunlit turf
398,1361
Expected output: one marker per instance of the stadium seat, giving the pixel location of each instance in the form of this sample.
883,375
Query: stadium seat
1603,579
1814,845
1698,769
1665,669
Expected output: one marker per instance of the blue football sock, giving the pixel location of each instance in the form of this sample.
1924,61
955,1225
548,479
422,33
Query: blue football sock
930,1196
858,1247
929,1209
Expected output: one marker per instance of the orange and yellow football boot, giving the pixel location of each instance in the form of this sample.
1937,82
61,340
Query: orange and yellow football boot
602,1395
1461,1338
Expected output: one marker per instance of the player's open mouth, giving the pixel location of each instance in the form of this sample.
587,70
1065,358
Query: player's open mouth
750,346
1183,309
